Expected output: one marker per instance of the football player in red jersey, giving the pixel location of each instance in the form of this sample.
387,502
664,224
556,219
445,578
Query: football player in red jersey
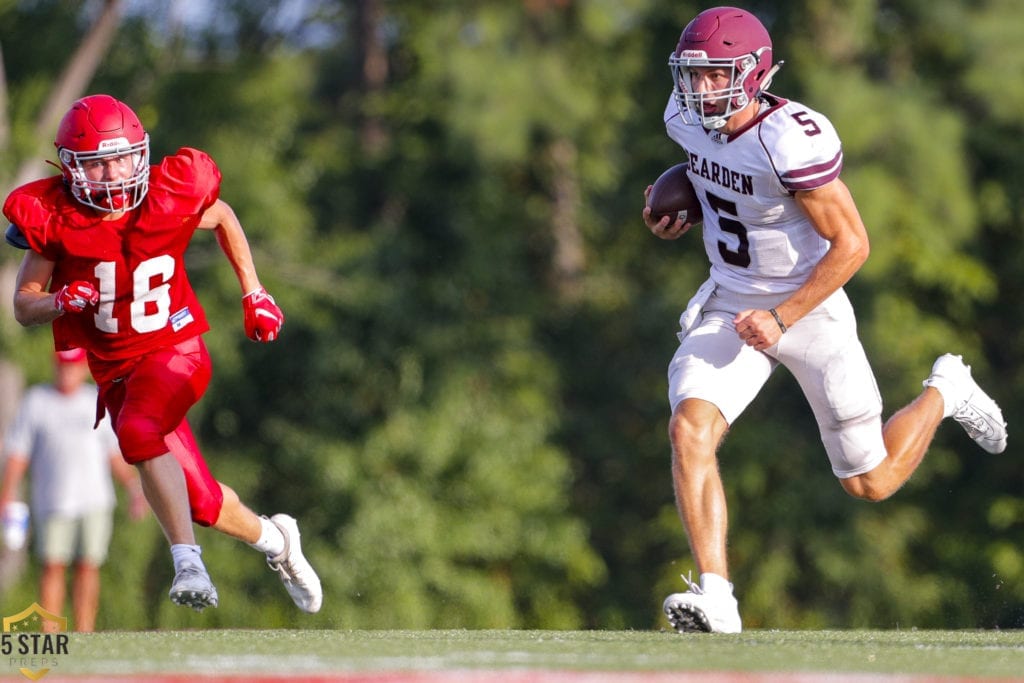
104,263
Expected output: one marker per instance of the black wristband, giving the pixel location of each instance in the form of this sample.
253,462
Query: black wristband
778,319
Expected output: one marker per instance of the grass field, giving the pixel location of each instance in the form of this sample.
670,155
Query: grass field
259,656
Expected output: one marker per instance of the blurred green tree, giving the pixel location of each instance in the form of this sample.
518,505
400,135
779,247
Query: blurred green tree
467,408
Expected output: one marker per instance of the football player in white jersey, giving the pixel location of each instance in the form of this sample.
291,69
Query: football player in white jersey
783,236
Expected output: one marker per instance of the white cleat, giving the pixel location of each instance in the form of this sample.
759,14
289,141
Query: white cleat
975,410
296,573
193,588
698,612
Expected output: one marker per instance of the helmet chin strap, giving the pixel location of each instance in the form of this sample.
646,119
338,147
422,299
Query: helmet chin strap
766,82
716,124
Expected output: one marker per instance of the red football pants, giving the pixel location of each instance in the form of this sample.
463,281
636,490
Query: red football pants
148,399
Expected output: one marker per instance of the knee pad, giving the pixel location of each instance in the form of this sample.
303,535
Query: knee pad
856,446
140,438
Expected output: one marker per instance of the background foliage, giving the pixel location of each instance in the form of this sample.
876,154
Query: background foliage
466,410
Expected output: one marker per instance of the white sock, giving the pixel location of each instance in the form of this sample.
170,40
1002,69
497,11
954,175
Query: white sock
945,390
948,407
185,555
271,541
713,583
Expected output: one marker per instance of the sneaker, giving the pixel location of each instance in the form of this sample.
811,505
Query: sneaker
296,574
193,588
976,412
698,612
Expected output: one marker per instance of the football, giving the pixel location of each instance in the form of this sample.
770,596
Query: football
673,194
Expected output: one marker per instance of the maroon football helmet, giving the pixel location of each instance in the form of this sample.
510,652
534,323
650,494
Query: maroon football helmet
727,38
99,129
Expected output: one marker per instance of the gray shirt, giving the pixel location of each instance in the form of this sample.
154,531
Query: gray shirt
69,461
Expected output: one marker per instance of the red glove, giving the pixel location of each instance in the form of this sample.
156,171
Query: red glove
74,297
263,319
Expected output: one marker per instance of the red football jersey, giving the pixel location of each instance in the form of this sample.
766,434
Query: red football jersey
136,262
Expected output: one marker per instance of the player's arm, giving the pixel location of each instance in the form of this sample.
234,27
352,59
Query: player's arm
221,218
263,319
33,304
835,217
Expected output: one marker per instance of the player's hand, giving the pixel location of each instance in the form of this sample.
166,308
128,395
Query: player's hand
75,296
757,329
666,228
263,319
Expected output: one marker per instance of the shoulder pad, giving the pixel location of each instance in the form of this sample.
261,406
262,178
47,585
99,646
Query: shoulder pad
185,182
15,237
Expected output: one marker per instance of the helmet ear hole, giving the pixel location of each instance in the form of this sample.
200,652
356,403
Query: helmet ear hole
758,80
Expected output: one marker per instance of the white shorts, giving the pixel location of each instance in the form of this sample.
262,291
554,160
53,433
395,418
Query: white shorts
822,352
86,537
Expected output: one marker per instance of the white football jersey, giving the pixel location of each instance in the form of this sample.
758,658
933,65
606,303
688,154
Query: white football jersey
757,239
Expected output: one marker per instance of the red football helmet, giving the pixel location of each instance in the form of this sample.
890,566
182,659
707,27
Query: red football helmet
104,153
722,37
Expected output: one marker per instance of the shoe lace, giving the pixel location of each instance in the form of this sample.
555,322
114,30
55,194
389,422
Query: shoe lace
188,572
692,586
283,565
191,578
974,421
280,568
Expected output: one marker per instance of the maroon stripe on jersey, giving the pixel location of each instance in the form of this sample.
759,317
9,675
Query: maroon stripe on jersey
810,177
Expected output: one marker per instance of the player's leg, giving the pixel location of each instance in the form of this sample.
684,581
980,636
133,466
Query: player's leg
279,539
871,460
204,493
236,519
826,358
145,406
213,503
949,391
163,484
218,505
906,437
696,428
159,392
712,378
